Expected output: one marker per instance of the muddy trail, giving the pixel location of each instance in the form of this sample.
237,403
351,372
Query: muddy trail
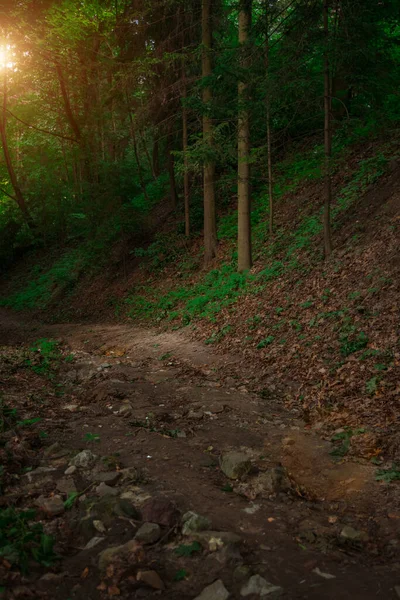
158,474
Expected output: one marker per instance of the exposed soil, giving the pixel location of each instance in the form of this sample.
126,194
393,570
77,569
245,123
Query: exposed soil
170,410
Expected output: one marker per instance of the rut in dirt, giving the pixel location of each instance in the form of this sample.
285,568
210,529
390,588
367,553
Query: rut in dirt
157,473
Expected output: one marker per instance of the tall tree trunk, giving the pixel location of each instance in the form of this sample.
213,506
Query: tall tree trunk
147,155
67,103
139,166
186,190
210,226
327,139
19,197
156,157
244,201
171,170
268,118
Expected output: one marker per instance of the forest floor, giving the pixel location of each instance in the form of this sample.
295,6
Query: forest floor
105,428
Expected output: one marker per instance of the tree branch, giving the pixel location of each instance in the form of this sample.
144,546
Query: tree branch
59,135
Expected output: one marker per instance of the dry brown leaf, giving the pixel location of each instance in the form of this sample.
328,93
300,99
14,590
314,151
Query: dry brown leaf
113,590
102,586
85,573
110,571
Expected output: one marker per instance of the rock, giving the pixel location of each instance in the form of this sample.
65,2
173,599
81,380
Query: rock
99,526
194,522
32,475
93,542
235,464
71,407
353,535
66,486
258,586
318,571
215,591
109,478
131,474
241,573
273,480
105,490
397,590
55,451
53,577
131,552
195,414
126,507
150,578
125,410
215,540
84,460
160,510
148,533
70,471
51,506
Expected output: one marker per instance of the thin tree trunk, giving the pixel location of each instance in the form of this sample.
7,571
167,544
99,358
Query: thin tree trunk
210,227
156,158
327,140
186,190
67,104
139,166
19,197
244,201
268,117
171,170
147,155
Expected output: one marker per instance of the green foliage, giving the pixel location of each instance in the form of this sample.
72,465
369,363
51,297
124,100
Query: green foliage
22,540
187,550
266,342
351,343
343,441
388,475
91,437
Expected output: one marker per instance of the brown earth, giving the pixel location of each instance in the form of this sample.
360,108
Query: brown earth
169,409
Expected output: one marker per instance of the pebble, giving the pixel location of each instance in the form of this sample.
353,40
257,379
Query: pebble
354,535
397,590
52,506
84,459
93,542
235,464
194,522
106,490
148,533
99,526
53,577
150,578
70,471
216,539
110,478
132,551
215,591
31,475
66,486
258,586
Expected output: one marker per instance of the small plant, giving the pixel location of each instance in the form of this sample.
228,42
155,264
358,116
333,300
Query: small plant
22,540
372,385
91,437
351,343
227,488
266,342
180,575
188,550
388,475
344,439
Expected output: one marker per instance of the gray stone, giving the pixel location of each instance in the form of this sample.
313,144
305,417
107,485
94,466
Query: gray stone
241,573
131,475
131,552
55,451
105,490
196,414
194,522
160,510
215,591
235,464
99,526
32,475
109,478
84,460
215,540
273,480
51,506
125,410
397,590
67,486
148,533
258,586
70,471
93,542
354,535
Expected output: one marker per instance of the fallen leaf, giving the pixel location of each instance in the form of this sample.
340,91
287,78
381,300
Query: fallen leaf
332,519
113,591
85,573
110,571
102,586
270,519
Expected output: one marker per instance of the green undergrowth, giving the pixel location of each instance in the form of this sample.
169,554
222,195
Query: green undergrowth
222,287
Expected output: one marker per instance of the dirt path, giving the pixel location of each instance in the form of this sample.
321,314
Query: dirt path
162,415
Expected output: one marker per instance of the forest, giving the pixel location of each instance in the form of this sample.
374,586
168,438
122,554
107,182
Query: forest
199,299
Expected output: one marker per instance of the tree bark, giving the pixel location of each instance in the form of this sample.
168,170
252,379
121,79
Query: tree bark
268,118
171,171
210,227
244,200
156,158
19,197
327,139
186,190
67,104
139,166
